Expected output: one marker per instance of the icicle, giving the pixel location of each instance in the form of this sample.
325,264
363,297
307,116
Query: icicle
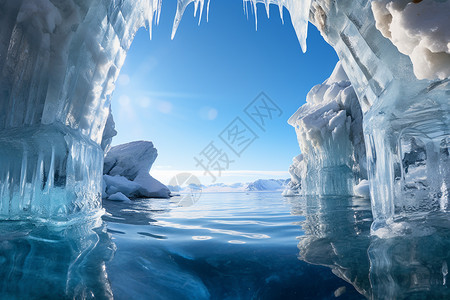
255,12
207,11
181,7
51,172
200,15
23,173
299,10
153,10
280,8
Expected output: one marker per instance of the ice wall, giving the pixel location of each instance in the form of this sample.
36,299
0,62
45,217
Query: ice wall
404,98
329,132
58,64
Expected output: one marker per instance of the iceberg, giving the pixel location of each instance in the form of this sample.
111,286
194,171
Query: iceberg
330,135
126,172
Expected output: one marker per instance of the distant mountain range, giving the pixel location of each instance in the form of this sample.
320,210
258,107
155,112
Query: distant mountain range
260,185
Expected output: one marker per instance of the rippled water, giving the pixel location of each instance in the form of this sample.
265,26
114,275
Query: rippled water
224,246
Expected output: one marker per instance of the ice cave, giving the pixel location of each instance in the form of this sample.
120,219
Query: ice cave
365,212
382,117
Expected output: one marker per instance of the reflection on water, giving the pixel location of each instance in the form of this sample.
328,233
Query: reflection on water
337,236
226,246
412,266
49,261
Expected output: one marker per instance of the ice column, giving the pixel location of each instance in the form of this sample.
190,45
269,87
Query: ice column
406,120
58,64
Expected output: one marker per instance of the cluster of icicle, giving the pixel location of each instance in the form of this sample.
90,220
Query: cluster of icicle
299,13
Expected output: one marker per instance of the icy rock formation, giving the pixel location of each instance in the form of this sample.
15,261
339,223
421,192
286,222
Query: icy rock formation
329,132
126,170
58,64
399,109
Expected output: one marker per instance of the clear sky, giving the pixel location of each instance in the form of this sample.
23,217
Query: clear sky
185,93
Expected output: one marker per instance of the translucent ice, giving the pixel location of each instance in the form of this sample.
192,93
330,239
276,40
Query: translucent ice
406,124
299,11
329,132
58,64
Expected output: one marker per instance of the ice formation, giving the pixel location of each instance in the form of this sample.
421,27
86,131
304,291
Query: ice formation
419,29
59,61
405,119
126,172
329,132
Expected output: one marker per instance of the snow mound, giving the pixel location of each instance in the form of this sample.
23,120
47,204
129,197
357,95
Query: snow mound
419,29
126,170
362,189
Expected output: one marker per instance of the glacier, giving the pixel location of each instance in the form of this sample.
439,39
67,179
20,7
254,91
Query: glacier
389,95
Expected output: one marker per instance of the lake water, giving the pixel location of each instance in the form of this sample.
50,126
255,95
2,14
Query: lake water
223,246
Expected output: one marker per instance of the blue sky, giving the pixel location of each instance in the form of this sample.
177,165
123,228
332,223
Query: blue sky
183,93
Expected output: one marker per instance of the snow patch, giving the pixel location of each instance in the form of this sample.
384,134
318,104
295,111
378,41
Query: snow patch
420,30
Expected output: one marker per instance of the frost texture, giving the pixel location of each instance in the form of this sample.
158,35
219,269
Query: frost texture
329,132
420,30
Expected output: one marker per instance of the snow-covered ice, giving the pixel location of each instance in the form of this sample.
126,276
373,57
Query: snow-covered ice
329,132
59,62
126,170
419,29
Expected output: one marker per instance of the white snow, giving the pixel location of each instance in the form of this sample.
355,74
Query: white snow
362,189
420,30
127,168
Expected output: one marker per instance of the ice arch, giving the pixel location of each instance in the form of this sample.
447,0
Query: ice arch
59,60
